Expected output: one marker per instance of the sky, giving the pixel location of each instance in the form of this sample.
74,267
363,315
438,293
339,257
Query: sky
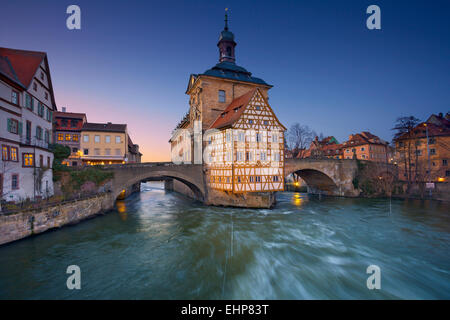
130,62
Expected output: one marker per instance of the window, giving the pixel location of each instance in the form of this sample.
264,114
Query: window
46,95
96,138
74,150
444,162
276,156
41,160
118,152
97,151
28,159
13,154
73,123
38,133
241,136
431,141
250,121
248,156
118,139
86,151
75,137
266,123
14,97
41,110
447,173
228,137
34,86
48,162
258,108
238,179
221,96
275,178
108,139
258,137
29,101
432,151
42,75
85,138
60,137
263,156
5,153
258,178
13,126
362,149
251,178
15,181
67,137
107,152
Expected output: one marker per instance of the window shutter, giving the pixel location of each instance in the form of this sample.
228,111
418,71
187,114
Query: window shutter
9,125
37,132
32,104
20,128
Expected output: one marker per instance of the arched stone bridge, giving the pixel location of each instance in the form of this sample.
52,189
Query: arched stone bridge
325,176
128,175
331,176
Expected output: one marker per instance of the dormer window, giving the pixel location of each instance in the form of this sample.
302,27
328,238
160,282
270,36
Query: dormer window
221,96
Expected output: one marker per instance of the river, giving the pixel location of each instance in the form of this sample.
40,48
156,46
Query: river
161,245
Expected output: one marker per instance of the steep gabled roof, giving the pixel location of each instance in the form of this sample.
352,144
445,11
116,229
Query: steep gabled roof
24,64
234,110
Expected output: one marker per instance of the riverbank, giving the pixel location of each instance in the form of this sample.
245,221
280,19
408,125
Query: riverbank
23,224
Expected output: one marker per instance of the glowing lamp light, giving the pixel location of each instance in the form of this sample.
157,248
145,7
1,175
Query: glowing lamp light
296,184
440,179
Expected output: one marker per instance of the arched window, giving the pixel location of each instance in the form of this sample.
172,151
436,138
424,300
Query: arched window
229,51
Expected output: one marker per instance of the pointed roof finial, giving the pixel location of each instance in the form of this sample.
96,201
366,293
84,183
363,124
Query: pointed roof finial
226,19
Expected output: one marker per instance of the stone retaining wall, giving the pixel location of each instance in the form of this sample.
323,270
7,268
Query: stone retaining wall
23,224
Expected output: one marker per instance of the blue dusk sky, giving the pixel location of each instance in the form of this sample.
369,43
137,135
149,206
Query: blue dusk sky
131,60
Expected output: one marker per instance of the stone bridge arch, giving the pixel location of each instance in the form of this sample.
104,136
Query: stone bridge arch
325,176
127,175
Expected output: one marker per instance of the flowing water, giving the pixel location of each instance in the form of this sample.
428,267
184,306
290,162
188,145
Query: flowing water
161,245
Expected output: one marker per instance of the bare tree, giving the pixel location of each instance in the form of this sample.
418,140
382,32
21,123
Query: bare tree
299,137
404,127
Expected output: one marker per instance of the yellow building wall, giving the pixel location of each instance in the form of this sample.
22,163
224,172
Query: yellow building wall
102,146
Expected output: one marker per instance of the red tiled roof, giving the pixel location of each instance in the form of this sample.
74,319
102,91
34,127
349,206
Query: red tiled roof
362,138
420,131
110,127
234,110
73,115
24,64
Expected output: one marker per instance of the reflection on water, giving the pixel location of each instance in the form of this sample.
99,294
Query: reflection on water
161,245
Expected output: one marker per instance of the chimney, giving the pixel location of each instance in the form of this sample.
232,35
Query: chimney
441,115
63,109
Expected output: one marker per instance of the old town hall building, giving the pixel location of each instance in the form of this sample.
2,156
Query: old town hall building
231,128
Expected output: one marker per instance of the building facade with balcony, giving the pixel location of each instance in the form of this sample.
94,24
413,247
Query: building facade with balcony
104,143
67,128
27,104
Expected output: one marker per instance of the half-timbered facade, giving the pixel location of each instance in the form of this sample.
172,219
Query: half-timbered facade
230,127
245,147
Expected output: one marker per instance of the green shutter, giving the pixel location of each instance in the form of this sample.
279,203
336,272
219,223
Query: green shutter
9,125
20,128
32,103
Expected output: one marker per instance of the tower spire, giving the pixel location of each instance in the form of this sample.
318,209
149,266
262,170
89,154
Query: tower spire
226,19
226,43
